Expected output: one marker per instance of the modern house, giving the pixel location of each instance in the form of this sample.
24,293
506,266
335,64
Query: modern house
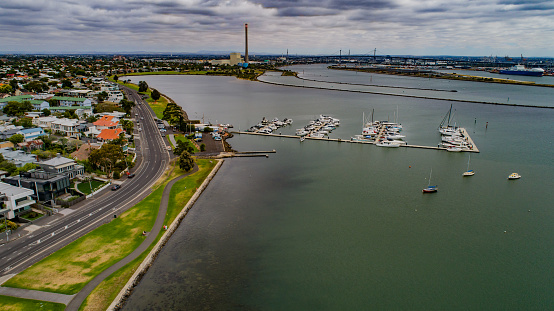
45,186
67,127
15,199
61,165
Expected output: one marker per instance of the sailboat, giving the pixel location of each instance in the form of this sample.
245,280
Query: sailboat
468,172
430,189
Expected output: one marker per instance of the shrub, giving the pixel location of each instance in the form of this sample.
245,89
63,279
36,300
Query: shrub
116,174
202,147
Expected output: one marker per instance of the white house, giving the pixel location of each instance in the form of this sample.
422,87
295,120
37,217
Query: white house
16,199
44,122
68,127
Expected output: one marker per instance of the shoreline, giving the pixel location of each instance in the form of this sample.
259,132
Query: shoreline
440,75
135,279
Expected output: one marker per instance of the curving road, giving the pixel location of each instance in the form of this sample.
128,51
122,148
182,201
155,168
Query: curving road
19,254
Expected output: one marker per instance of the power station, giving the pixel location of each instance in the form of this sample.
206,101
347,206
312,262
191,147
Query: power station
246,43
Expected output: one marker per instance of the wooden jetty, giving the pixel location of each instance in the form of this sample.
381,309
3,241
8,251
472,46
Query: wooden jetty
356,142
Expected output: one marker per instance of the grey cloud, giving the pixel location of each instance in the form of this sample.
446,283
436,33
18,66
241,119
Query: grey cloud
306,12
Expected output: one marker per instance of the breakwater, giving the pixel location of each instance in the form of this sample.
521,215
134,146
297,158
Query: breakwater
402,95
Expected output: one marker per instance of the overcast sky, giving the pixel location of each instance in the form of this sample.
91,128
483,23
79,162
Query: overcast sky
416,27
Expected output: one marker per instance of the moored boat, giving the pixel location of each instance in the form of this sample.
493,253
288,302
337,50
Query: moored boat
514,176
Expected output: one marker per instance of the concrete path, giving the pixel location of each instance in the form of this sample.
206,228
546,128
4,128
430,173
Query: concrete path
36,295
172,139
83,294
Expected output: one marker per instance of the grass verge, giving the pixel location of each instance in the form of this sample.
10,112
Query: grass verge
8,303
69,269
182,191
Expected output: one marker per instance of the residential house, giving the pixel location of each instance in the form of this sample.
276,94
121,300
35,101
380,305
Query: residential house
84,151
31,145
107,122
31,133
67,127
6,134
44,122
62,165
18,157
109,134
16,199
45,186
64,101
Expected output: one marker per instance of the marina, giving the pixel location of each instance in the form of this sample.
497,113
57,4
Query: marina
353,141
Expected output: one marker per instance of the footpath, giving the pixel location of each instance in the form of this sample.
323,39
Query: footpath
73,302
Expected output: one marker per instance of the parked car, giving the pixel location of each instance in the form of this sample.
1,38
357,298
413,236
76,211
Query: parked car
131,175
115,187
163,130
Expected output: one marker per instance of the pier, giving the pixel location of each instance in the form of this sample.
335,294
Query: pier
339,140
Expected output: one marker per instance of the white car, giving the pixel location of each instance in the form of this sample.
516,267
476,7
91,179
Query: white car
163,130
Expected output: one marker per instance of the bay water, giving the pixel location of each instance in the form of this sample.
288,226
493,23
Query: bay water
337,226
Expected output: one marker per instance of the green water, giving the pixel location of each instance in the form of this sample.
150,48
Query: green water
337,226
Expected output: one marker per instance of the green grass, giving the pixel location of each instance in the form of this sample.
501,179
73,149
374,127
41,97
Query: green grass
26,216
84,187
8,303
69,269
182,191
183,138
157,106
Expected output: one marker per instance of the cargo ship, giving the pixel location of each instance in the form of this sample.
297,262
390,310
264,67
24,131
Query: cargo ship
522,71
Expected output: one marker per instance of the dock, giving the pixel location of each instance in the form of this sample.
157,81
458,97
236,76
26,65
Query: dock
339,140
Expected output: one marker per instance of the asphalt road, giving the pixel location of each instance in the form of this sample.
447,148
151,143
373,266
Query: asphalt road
19,254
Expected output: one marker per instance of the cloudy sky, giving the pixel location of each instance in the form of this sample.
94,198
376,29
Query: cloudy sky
416,27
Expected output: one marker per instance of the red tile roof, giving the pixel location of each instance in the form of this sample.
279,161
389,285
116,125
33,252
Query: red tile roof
109,134
106,121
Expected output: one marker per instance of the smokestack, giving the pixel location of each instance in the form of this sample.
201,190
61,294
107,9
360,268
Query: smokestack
246,43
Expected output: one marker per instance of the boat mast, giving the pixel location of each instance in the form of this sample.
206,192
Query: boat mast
430,178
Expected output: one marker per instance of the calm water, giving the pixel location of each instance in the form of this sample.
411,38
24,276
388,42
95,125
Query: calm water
329,226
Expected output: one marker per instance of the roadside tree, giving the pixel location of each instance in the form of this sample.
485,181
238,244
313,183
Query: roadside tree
143,87
127,105
106,157
186,162
155,95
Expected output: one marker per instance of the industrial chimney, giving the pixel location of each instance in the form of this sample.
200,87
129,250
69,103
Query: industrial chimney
246,43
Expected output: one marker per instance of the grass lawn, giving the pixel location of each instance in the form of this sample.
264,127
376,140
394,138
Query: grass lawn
183,138
70,268
8,303
182,191
157,106
28,216
84,187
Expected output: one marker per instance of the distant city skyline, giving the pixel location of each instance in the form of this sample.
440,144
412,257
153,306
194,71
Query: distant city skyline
307,27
